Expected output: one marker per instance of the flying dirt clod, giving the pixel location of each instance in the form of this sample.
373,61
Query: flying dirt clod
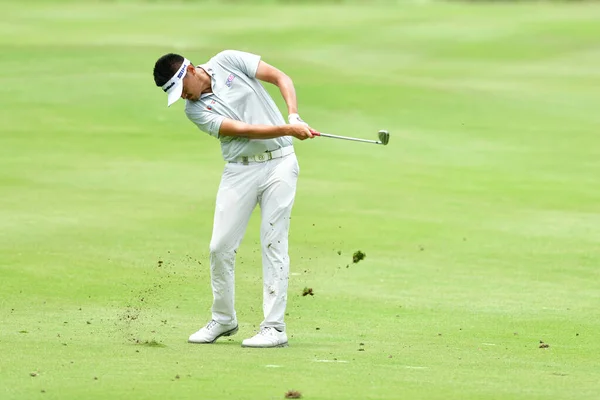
358,256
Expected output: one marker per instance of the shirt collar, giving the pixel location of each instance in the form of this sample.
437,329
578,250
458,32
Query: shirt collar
206,67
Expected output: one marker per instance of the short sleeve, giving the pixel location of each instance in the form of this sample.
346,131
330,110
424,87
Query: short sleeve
240,60
208,122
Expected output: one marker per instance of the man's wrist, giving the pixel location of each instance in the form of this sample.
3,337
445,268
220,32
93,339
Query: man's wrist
288,130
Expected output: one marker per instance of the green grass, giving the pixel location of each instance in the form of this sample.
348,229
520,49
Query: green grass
480,221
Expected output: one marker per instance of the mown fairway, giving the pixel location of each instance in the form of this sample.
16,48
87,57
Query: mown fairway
480,221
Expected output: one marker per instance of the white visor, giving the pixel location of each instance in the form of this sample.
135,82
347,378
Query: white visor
174,87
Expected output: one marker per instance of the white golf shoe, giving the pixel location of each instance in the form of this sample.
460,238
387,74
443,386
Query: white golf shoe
212,331
267,337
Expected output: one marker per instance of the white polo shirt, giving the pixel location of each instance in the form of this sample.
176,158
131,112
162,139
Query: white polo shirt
238,95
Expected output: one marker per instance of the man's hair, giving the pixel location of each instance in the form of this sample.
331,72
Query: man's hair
165,68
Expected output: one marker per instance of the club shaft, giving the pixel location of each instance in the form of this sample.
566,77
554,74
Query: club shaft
348,138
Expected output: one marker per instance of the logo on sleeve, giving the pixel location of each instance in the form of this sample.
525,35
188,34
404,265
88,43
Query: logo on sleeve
230,79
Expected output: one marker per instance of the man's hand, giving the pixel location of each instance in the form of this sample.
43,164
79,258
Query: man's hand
295,119
300,131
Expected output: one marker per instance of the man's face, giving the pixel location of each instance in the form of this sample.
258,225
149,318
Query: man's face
192,87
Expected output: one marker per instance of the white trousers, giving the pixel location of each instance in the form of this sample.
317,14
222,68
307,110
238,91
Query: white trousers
272,185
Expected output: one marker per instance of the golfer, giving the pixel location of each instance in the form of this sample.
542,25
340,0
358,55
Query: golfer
225,99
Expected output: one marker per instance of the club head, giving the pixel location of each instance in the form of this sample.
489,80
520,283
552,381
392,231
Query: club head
384,137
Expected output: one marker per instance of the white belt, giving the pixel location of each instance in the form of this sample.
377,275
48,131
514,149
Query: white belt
266,156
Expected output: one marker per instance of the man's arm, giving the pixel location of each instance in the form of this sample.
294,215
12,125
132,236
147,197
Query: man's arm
230,127
268,73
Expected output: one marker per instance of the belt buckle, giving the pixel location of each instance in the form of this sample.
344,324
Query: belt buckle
245,160
270,154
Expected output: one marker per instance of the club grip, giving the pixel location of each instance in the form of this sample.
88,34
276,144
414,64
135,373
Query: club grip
315,133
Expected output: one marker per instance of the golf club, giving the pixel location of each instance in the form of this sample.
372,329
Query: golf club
383,135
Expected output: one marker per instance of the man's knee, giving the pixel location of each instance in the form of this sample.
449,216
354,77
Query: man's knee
220,246
274,241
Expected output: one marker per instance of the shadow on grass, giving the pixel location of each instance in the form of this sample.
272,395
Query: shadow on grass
149,343
218,343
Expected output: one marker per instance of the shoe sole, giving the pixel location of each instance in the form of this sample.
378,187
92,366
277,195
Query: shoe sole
265,347
228,333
